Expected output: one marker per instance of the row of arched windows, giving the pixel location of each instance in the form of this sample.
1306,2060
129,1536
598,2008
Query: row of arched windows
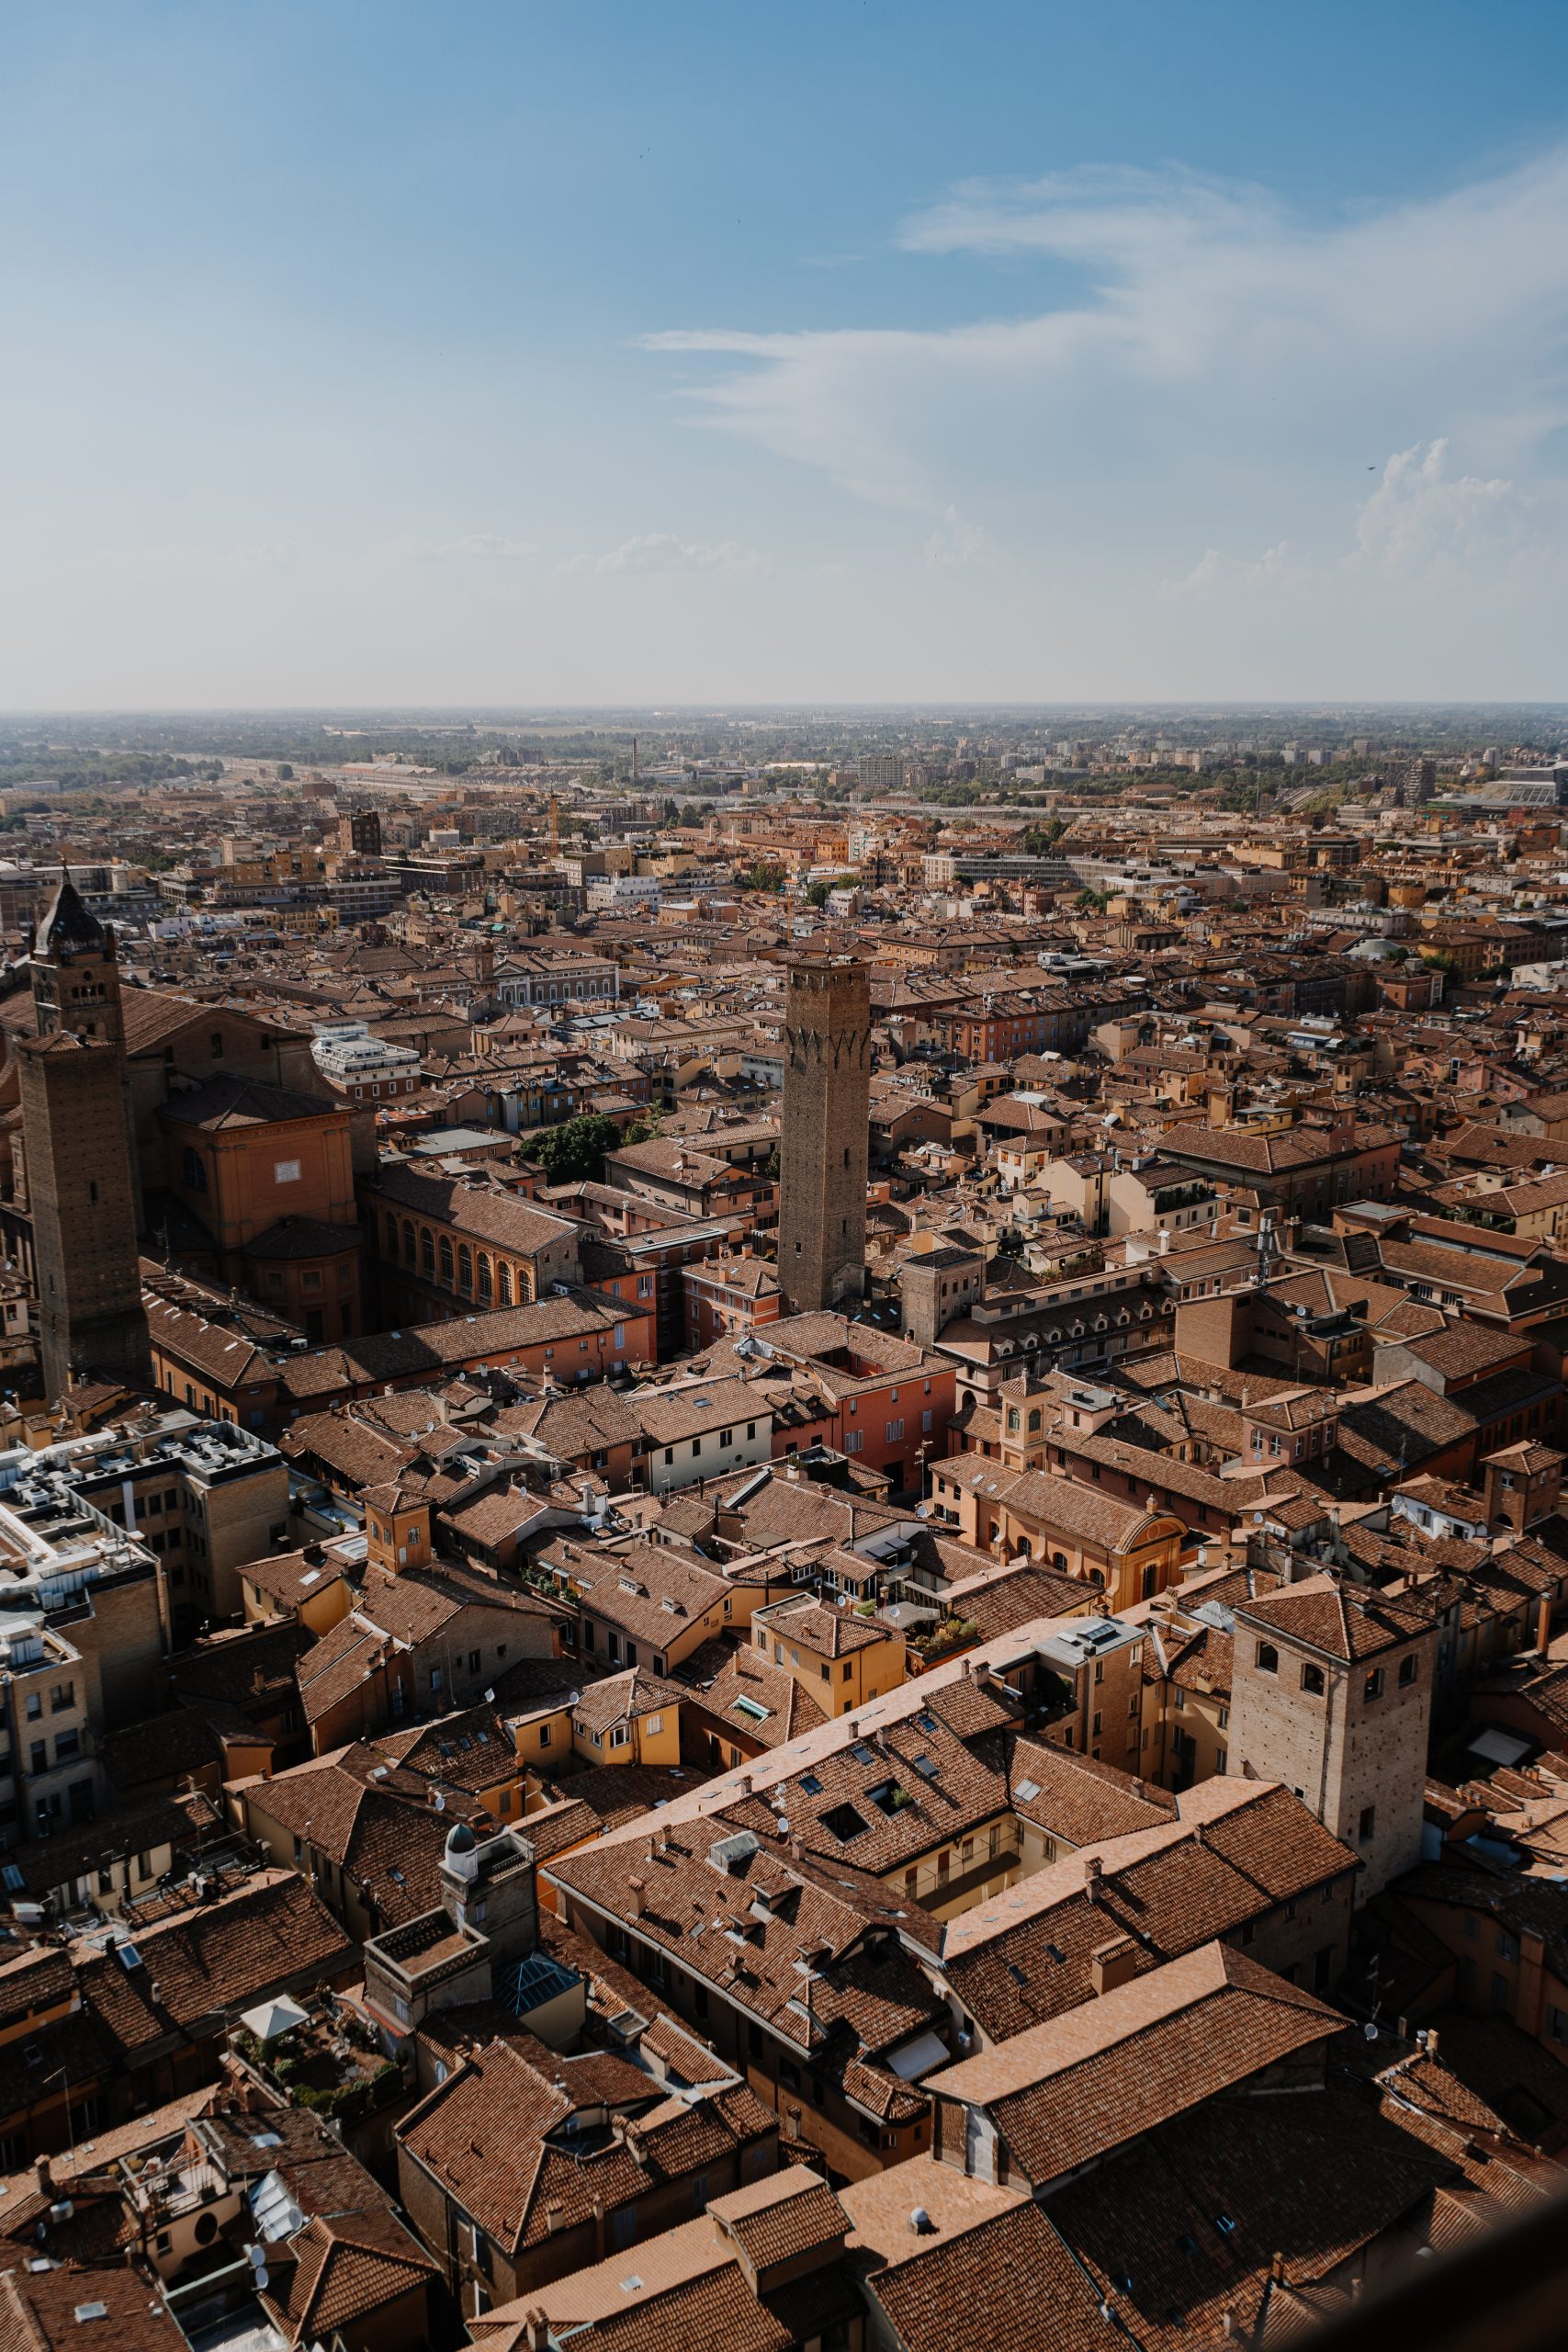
494,1281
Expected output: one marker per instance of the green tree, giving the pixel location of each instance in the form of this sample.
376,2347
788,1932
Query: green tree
574,1153
762,876
285,772
818,893
645,1128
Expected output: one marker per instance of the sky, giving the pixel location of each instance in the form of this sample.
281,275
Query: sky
722,353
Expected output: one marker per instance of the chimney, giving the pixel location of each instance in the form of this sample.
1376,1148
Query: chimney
1091,1876
537,2328
1543,1624
45,2176
1112,1963
635,1894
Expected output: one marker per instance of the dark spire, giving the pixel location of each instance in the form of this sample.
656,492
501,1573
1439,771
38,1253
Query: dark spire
67,928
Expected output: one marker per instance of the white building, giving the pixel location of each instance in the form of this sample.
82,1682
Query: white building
362,1067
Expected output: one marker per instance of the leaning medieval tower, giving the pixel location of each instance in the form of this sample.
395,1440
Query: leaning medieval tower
826,1109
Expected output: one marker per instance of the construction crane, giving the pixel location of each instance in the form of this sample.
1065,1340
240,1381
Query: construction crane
554,825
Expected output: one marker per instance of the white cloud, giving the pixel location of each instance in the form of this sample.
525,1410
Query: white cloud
957,543
1423,522
1280,566
662,551
1204,357
475,546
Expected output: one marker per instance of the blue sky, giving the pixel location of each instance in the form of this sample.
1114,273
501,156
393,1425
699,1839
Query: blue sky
615,352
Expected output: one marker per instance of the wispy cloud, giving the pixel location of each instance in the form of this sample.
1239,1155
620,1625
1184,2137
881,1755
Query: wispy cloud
474,546
1280,566
955,544
663,551
1214,358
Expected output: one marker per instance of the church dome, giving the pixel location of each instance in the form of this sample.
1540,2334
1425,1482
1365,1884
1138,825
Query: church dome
460,1840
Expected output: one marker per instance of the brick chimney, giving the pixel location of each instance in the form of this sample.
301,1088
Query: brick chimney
1112,1963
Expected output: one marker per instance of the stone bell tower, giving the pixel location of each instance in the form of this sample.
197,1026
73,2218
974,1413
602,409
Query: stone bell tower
80,1166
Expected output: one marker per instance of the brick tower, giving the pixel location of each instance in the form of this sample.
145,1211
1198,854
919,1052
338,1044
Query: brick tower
77,1154
826,1112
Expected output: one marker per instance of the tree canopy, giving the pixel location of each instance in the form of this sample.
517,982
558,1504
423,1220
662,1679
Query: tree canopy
574,1153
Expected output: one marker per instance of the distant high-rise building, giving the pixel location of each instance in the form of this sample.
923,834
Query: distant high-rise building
882,771
77,1154
827,1115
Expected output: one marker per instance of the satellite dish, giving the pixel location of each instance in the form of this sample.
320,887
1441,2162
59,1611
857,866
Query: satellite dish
440,1802
255,2257
263,2280
490,1697
1371,2030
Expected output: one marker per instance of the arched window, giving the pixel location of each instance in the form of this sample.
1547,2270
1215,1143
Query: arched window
1268,1658
446,1258
1311,1680
426,1250
486,1286
524,1285
391,1237
504,1280
408,1241
1059,1560
194,1168
1034,1420
465,1266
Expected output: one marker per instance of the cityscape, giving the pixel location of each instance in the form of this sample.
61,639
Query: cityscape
783,1181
